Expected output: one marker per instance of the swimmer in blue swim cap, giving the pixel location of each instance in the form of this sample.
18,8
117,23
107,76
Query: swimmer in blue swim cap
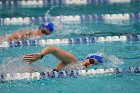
93,59
44,29
64,57
98,58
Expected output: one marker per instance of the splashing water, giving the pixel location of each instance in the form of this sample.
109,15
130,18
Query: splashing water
56,21
17,65
113,61
109,61
47,14
14,65
73,66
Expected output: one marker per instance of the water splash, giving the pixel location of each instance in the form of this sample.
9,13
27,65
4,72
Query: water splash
56,21
109,61
48,16
112,61
40,68
48,12
17,65
14,65
73,66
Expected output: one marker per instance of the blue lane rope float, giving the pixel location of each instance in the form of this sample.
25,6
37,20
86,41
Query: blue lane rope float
62,74
79,40
56,2
108,18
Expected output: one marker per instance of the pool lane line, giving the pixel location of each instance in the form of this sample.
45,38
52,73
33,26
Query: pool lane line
78,40
107,18
65,74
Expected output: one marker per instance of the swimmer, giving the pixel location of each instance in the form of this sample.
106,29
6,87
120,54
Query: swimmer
65,57
44,29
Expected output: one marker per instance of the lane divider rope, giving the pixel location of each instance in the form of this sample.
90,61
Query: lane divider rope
108,18
79,40
62,74
56,2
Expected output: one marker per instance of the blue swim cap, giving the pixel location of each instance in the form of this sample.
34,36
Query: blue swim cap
97,57
48,26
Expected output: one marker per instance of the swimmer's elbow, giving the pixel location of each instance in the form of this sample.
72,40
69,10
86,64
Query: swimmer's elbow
49,46
50,49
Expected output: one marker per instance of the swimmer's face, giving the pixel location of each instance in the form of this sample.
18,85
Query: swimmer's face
89,62
44,31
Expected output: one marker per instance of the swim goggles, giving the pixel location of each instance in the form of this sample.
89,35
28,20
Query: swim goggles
44,31
92,61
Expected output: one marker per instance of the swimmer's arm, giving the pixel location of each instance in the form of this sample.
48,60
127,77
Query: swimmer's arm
62,55
48,50
36,56
13,36
20,35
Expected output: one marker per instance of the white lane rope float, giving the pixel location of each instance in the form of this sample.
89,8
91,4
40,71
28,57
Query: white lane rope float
63,74
60,2
79,40
108,18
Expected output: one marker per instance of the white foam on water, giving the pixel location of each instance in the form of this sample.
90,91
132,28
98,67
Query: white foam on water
73,66
17,65
113,61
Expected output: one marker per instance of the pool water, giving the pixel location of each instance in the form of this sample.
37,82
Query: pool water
128,51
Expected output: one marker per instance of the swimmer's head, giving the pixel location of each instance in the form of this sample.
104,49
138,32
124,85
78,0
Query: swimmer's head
92,59
46,28
96,57
89,62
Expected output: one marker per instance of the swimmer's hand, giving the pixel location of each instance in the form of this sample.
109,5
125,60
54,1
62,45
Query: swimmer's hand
32,57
